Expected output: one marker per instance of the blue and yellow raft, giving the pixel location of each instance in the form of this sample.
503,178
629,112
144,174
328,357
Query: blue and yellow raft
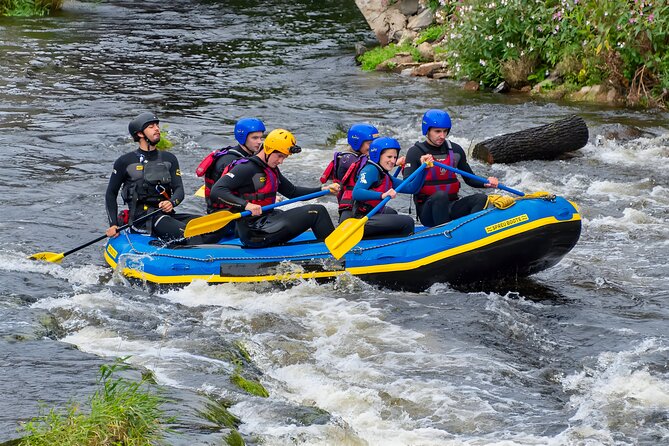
529,236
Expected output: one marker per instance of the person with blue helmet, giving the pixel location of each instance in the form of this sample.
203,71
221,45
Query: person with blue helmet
438,201
345,166
249,135
375,183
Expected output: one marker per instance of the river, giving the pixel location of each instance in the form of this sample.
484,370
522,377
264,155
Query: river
576,355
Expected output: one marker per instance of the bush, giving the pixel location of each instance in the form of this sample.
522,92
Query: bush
624,41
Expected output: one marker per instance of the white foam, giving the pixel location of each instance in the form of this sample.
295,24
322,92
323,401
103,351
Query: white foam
75,274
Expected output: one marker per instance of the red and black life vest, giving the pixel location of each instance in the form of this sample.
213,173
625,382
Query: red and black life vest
266,186
437,178
206,167
344,169
384,184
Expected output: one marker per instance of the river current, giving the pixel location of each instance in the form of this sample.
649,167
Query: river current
576,355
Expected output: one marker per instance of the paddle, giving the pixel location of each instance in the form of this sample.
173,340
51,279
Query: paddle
216,220
475,177
351,230
200,192
56,257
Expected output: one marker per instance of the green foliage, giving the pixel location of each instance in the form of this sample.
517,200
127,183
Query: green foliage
28,8
121,412
164,143
431,34
234,439
622,41
375,56
217,412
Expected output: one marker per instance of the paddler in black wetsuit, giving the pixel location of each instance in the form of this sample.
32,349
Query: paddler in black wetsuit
148,179
254,183
438,201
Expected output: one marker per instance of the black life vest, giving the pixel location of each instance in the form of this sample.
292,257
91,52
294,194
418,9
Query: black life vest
149,183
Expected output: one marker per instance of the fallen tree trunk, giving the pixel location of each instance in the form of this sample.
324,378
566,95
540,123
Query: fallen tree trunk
547,142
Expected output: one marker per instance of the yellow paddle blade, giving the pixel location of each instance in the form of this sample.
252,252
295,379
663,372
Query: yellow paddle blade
48,256
346,236
200,192
209,223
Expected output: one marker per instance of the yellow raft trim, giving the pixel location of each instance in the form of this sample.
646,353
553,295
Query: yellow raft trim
356,271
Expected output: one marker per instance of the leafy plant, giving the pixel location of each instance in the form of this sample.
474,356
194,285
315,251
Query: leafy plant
375,56
121,412
27,8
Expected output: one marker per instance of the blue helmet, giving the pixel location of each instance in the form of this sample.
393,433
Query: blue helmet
377,147
245,126
359,133
435,118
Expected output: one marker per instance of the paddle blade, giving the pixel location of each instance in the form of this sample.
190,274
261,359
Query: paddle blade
346,236
209,223
200,192
48,256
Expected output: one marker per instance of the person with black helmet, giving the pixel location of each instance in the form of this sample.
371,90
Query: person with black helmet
249,135
148,179
438,200
255,182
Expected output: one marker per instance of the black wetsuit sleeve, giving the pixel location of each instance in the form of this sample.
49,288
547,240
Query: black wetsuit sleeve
239,178
116,181
412,161
288,189
464,165
177,184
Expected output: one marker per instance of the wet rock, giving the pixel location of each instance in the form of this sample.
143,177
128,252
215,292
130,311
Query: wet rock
408,7
397,63
503,87
471,86
360,49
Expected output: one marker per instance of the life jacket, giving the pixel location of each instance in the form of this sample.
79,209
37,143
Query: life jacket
149,183
384,184
437,178
344,169
206,167
266,186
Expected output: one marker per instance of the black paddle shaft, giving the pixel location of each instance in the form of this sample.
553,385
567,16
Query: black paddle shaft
120,228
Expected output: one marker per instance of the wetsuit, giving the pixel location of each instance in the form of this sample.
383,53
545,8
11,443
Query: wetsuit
147,178
372,182
438,201
254,181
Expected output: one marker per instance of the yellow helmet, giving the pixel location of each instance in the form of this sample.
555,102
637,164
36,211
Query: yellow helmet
280,140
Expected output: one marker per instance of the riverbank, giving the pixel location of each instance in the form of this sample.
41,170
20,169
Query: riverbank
612,53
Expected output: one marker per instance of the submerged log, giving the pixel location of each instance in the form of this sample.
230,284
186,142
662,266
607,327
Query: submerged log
547,142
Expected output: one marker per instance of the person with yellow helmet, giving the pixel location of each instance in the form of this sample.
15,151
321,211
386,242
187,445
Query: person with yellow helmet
255,181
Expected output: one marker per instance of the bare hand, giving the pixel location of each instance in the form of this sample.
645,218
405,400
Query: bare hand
401,161
112,231
493,182
166,206
334,188
389,193
255,209
429,159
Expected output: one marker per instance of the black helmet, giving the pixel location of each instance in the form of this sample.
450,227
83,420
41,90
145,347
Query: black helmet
140,123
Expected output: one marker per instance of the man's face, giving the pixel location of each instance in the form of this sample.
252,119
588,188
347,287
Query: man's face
152,133
275,159
437,136
254,141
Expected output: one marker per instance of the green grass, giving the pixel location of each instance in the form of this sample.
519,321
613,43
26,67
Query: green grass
375,56
122,412
431,33
250,386
29,8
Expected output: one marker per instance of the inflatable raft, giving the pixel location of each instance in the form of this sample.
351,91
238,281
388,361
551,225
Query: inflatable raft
527,237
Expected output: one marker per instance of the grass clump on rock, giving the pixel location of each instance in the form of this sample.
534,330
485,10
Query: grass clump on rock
29,8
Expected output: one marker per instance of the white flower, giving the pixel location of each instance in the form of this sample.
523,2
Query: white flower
482,62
